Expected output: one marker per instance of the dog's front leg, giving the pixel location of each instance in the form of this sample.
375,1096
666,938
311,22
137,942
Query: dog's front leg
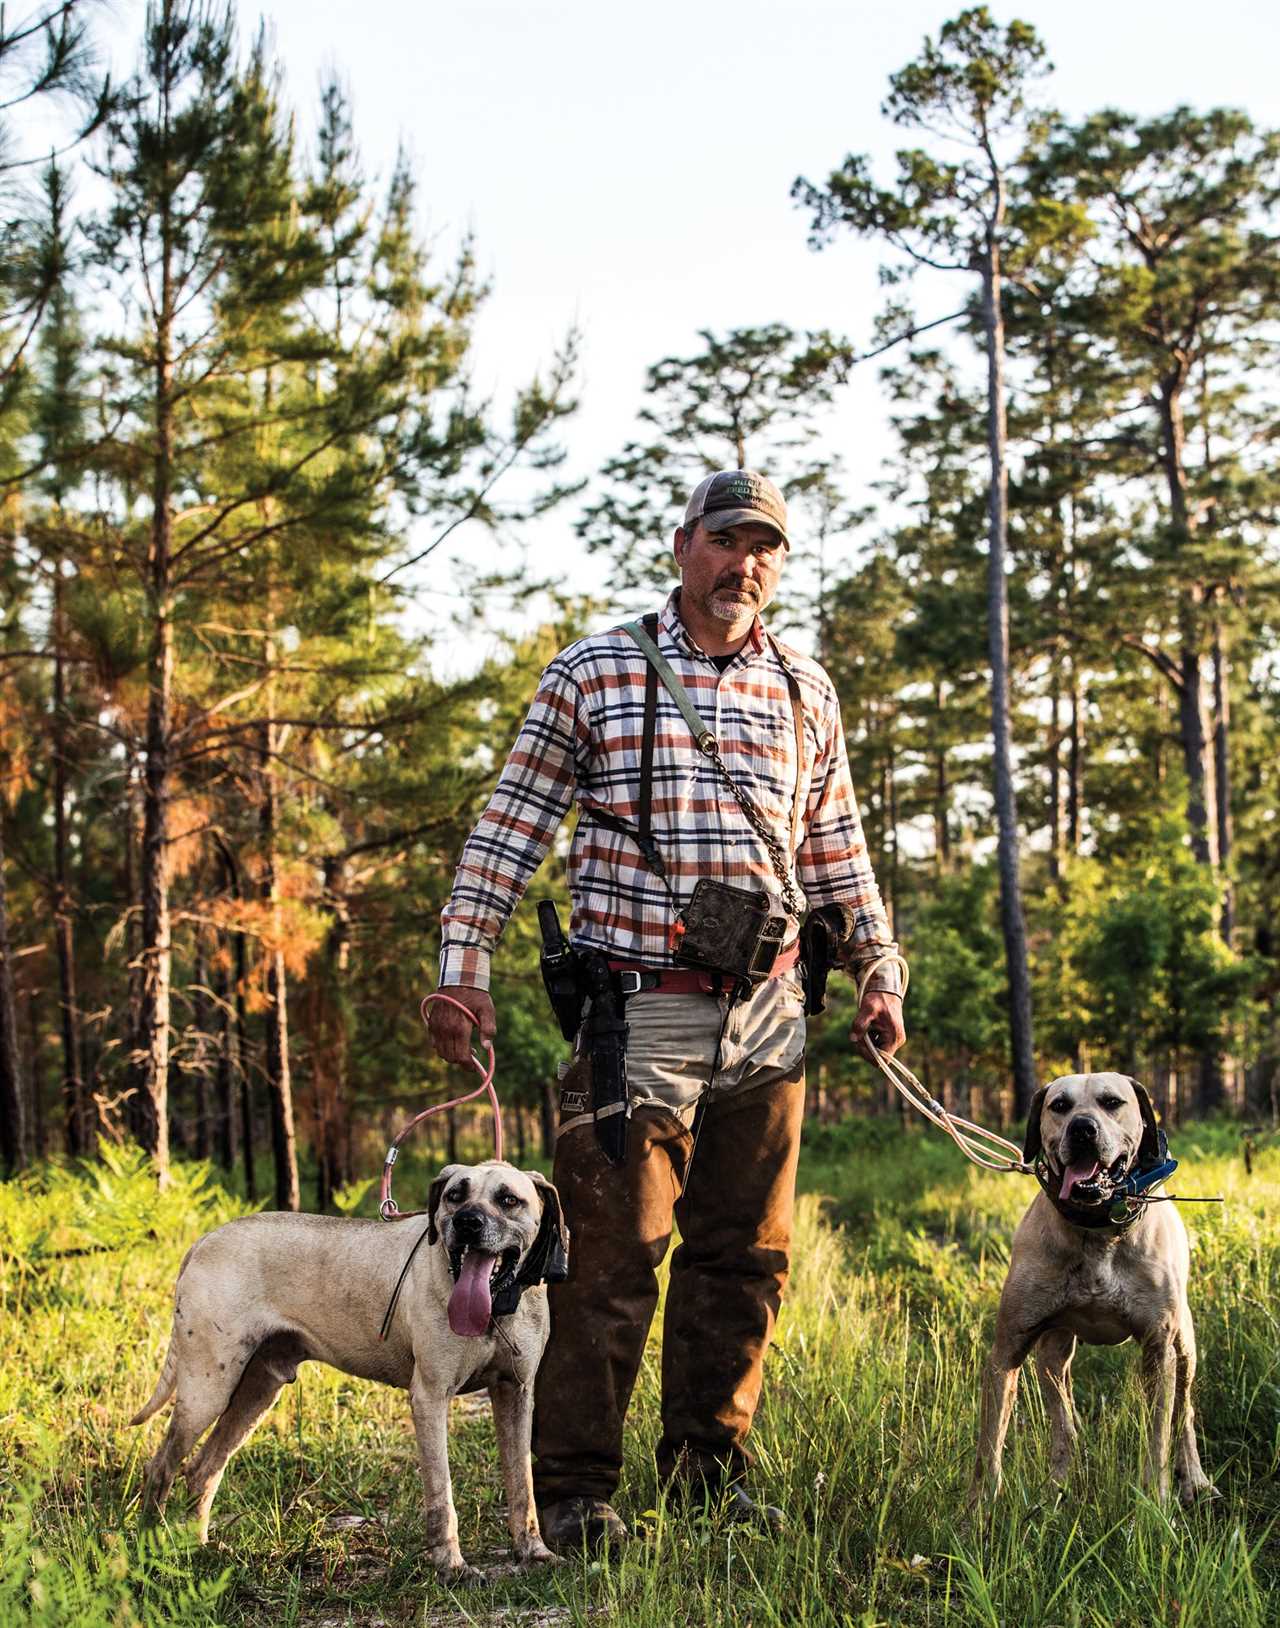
1193,1483
431,1426
999,1392
1158,1374
513,1425
1054,1351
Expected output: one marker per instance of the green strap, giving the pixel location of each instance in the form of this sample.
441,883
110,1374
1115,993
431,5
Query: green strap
705,737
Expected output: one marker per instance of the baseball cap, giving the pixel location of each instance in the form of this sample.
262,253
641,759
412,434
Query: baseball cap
734,497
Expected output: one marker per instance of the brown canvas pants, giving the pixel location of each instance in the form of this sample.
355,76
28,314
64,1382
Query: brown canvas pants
734,1206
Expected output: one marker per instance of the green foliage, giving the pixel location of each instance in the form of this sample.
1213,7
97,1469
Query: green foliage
957,987
1137,966
108,1203
141,1579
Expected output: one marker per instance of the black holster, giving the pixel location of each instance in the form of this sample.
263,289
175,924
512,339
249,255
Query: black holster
824,941
583,978
604,1038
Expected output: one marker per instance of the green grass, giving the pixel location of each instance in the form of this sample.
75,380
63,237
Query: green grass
865,1435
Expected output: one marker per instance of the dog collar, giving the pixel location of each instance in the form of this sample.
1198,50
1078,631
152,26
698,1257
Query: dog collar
1122,1206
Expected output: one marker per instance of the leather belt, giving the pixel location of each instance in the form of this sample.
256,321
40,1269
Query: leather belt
638,980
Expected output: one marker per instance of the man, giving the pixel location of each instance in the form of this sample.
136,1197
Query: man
715,1080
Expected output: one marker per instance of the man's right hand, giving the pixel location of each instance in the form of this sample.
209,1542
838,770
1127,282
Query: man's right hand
450,1029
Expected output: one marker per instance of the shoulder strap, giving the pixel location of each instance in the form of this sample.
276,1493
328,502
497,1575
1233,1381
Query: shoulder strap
649,729
662,667
797,720
710,747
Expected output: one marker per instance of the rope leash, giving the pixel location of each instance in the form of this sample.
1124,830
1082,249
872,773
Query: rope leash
979,1145
387,1207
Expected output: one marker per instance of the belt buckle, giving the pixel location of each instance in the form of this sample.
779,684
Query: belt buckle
629,982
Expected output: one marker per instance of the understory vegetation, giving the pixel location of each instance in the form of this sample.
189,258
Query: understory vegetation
865,1436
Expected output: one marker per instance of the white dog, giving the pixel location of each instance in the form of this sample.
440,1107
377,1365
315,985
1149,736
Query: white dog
260,1295
1092,1262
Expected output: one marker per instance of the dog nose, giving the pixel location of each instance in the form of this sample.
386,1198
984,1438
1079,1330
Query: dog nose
468,1224
1084,1129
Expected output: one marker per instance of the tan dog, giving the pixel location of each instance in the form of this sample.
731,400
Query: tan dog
1081,1270
260,1295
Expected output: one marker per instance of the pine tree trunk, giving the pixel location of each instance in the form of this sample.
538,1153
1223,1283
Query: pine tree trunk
1190,686
15,1128
1197,756
35,1096
200,1058
79,1119
941,788
330,1040
1222,774
242,1063
225,1072
237,1043
284,1145
1015,941
150,1056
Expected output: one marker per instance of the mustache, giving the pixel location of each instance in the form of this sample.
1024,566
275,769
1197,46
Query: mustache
738,585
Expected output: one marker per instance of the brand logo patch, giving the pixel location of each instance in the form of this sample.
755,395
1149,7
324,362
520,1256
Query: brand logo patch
573,1102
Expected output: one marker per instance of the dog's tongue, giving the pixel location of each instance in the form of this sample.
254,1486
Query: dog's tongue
470,1304
1082,1170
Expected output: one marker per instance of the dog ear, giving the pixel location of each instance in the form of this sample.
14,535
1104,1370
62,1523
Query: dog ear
548,1257
434,1196
1031,1146
1154,1146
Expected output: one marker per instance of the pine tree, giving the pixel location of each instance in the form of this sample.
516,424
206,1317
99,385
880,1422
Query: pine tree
203,209
1185,289
748,399
970,88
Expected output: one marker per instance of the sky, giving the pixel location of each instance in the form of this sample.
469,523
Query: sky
627,168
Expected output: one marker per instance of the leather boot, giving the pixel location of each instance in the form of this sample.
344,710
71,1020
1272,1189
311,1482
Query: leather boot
727,1279
570,1523
620,1225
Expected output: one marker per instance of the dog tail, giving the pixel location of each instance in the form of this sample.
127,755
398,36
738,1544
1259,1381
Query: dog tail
165,1386
168,1380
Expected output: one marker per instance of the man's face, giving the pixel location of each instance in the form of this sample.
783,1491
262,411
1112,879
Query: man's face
730,575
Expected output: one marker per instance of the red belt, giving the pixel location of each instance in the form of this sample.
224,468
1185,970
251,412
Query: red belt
693,980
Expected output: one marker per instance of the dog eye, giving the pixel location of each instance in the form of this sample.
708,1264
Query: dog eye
1060,1105
1111,1103
455,1195
509,1201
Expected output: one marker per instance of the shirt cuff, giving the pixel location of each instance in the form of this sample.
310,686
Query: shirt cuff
464,964
887,981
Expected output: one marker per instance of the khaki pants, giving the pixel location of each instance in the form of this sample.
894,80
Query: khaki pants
733,1200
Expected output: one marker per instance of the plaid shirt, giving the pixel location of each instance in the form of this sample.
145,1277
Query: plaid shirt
581,743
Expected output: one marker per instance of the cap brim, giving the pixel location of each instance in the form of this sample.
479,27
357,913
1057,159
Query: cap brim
722,519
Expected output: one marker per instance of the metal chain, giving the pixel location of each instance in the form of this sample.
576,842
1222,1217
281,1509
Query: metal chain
777,854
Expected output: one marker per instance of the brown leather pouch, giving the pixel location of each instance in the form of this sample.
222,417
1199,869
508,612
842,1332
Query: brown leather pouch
730,930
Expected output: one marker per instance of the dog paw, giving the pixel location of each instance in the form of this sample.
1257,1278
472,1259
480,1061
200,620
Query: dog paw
537,1554
1195,1488
458,1574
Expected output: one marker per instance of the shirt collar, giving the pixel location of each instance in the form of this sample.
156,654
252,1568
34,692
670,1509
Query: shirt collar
669,622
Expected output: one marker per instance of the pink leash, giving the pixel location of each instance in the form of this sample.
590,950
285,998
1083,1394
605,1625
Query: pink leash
387,1205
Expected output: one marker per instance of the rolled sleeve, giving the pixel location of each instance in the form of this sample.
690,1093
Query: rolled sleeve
833,864
512,835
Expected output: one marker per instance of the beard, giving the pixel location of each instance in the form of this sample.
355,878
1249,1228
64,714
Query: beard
733,601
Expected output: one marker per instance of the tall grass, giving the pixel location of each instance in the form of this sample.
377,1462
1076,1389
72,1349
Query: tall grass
866,1435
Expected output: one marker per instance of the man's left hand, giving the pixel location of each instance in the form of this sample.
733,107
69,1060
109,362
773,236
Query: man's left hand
879,1016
